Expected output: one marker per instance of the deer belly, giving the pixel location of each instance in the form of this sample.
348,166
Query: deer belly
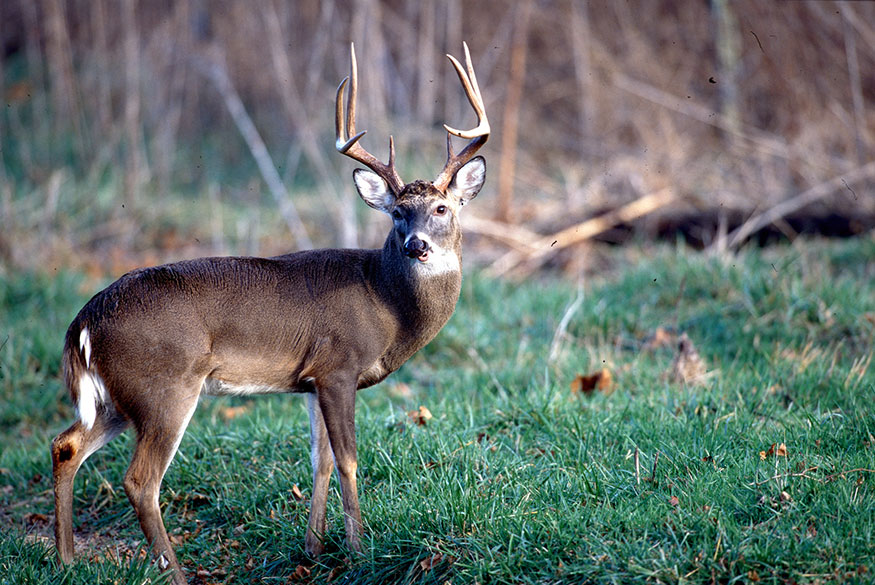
219,387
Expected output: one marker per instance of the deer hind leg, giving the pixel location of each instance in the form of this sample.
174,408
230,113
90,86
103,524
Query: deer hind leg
320,455
69,450
159,433
337,403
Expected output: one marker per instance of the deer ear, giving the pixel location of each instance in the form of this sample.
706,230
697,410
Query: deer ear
373,190
468,180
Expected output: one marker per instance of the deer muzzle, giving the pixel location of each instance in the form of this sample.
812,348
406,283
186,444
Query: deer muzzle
416,248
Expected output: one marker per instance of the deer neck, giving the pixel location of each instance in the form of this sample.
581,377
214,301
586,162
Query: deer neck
423,296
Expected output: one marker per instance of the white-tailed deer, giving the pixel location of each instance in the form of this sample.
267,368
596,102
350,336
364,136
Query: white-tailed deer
321,322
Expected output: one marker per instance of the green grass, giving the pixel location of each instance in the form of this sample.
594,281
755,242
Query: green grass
515,479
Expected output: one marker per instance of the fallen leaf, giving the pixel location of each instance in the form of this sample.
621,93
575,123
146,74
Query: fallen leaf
769,453
420,416
753,576
301,573
674,501
781,451
601,381
296,493
430,562
785,497
36,519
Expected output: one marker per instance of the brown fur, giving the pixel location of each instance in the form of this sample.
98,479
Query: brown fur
322,322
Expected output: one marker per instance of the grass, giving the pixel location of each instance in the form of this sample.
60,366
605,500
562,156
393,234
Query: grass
764,474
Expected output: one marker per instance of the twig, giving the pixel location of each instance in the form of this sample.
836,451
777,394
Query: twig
779,476
653,471
219,76
833,476
788,206
548,245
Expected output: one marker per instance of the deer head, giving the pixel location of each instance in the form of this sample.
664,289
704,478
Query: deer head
425,214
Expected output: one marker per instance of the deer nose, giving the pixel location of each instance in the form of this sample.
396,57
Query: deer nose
414,247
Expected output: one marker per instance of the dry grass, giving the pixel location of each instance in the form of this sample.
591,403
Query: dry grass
736,107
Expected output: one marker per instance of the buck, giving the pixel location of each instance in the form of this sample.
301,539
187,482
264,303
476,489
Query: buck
325,323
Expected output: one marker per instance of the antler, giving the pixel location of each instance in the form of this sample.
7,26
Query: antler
347,140
477,136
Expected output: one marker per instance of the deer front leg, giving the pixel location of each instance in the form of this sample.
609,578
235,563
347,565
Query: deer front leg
320,455
337,402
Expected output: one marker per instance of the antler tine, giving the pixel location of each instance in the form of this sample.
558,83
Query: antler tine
346,141
477,136
472,91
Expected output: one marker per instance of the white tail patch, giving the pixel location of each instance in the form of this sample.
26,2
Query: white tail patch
92,390
85,346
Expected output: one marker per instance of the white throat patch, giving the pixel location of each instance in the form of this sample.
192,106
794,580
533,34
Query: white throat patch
440,261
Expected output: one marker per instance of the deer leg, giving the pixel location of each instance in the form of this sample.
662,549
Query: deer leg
158,437
69,450
337,402
320,455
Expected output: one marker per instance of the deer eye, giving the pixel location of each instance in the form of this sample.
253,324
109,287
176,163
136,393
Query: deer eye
396,214
440,210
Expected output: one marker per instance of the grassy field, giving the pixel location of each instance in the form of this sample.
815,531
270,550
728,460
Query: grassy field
762,473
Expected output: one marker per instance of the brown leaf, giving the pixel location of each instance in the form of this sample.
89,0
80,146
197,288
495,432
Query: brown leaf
674,501
420,416
296,493
601,381
781,451
753,576
430,562
35,518
301,573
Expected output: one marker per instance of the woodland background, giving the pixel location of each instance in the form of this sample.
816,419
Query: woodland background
130,130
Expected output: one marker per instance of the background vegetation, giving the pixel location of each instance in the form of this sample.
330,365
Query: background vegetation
114,112
561,444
